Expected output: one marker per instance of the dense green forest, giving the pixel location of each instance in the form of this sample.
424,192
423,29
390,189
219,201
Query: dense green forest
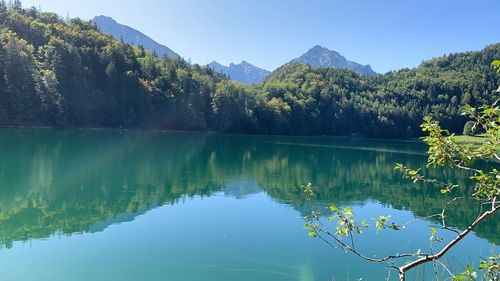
65,73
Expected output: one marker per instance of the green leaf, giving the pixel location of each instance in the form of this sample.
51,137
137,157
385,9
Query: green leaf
312,233
333,208
433,230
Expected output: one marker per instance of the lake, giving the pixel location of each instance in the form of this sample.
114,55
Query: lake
111,205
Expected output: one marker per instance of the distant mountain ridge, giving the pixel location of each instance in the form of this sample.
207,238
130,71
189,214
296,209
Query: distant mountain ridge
322,57
244,72
131,36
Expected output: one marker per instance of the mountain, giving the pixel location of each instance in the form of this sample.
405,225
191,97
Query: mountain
131,36
218,67
323,57
244,72
68,74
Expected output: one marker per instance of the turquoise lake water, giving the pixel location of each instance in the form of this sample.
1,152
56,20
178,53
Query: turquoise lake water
109,205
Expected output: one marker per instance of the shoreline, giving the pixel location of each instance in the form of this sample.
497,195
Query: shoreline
412,140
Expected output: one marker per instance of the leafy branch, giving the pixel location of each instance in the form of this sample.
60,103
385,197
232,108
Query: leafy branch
444,151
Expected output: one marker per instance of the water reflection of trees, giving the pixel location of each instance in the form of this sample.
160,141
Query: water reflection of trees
70,181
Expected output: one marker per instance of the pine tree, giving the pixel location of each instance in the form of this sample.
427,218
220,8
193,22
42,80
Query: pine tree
3,85
3,11
3,8
17,5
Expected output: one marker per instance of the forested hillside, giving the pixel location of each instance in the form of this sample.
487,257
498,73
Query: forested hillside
68,74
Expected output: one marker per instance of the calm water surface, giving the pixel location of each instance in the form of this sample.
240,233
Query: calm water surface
101,205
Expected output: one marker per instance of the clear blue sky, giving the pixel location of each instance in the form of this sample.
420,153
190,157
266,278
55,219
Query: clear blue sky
387,34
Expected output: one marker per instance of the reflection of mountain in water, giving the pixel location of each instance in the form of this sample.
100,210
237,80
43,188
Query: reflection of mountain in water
120,218
241,189
82,181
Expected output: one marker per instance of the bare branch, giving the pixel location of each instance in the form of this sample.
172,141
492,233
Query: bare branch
443,214
405,268
460,166
496,157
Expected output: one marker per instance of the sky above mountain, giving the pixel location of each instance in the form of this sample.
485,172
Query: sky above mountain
388,35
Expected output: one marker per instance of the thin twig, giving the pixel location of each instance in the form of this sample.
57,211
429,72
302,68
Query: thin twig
446,268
